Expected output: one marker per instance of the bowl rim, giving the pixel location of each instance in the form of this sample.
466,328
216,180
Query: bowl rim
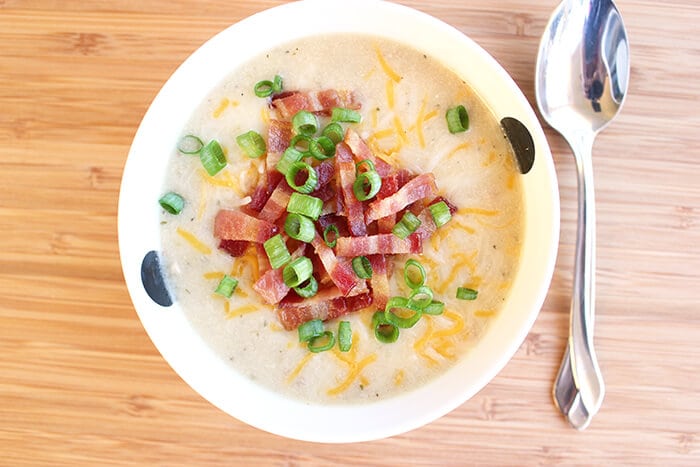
161,126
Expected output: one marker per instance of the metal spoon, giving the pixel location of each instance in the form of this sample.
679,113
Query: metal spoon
581,82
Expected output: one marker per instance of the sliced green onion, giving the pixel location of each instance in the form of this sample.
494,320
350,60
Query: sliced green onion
252,144
289,157
212,157
396,320
226,286
407,274
457,119
299,227
384,331
362,267
301,143
367,185
341,114
330,342
406,226
420,298
305,123
368,163
334,230
308,290
311,177
172,202
190,144
306,205
464,293
334,131
264,88
435,308
277,84
310,329
277,251
344,336
322,148
441,213
297,271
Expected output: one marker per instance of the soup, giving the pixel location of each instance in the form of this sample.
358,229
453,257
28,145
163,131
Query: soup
402,97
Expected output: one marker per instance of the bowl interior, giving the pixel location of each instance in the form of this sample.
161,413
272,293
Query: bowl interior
139,233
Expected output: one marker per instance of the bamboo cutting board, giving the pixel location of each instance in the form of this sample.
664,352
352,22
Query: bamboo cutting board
80,382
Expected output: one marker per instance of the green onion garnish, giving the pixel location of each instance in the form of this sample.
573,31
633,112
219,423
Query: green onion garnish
226,286
408,274
190,144
310,329
420,298
330,342
301,143
367,185
299,227
308,290
266,88
322,148
252,144
306,205
435,308
277,251
212,157
289,157
277,84
384,331
331,229
368,163
344,336
406,226
172,202
457,119
396,320
334,131
311,177
441,213
463,293
362,267
340,114
305,123
297,271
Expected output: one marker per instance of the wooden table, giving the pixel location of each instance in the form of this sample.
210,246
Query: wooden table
81,383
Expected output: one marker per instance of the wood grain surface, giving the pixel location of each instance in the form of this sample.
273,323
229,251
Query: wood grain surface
81,383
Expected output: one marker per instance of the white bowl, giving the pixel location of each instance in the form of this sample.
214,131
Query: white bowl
139,230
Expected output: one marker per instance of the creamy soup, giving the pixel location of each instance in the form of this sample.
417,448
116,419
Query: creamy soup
404,96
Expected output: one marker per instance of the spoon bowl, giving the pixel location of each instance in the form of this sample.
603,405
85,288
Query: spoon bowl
581,81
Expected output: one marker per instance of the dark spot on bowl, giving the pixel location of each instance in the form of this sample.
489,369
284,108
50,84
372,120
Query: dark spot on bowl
153,281
521,142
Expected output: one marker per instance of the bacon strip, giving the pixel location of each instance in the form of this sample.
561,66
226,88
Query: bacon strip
325,305
345,169
340,271
380,244
423,186
361,151
271,286
262,193
279,135
236,225
379,281
277,203
288,104
234,248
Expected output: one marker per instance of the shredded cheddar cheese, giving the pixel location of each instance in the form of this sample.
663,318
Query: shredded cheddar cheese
220,109
484,313
385,66
300,366
456,149
398,377
193,241
400,131
477,211
265,115
223,180
352,375
241,310
420,344
419,124
458,325
203,195
214,275
390,93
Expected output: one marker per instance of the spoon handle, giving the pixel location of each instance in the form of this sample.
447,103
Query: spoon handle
586,372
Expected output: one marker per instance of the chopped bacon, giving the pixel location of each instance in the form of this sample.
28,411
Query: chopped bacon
392,182
361,152
379,281
262,193
380,244
234,248
423,186
271,286
288,104
345,169
279,135
277,203
339,221
236,225
427,226
339,270
325,305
